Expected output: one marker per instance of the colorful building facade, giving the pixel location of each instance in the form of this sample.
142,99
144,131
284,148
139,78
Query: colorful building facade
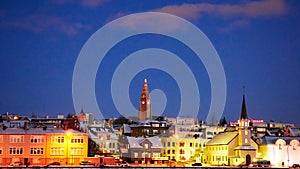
41,146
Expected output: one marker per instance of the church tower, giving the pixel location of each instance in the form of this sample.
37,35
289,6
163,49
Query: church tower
246,148
145,104
244,132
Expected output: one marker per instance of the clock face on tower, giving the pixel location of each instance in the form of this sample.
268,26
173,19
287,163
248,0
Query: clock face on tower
143,102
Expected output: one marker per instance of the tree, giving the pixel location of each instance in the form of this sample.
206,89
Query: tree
223,122
93,148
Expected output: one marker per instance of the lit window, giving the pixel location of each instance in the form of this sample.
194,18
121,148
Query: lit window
181,144
77,139
15,150
136,155
57,139
246,141
36,150
246,132
37,139
181,151
77,151
16,139
145,154
146,146
57,151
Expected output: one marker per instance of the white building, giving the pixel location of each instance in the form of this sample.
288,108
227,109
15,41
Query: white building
280,151
105,137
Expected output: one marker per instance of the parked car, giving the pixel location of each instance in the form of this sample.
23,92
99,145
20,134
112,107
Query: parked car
296,166
86,163
123,164
197,164
16,163
53,164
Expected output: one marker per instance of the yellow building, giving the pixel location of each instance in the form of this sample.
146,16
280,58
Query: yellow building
183,149
232,148
41,146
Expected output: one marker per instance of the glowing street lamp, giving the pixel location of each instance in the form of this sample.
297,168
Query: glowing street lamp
69,134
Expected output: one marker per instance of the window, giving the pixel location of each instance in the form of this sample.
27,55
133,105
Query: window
77,151
146,146
196,144
1,150
173,144
173,151
108,137
169,151
246,141
77,139
15,150
57,151
246,132
145,154
57,139
191,144
156,155
16,139
36,150
136,155
294,147
155,125
181,144
1,138
100,137
37,139
181,151
280,147
169,144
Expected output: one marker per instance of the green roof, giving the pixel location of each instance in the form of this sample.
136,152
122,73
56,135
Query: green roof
222,138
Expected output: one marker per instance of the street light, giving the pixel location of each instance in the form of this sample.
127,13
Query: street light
69,134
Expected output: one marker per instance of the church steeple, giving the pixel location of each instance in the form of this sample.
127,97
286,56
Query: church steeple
244,109
145,105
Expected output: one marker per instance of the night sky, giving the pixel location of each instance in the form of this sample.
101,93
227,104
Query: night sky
257,42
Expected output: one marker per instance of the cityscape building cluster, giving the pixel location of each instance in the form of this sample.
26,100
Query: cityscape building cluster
157,141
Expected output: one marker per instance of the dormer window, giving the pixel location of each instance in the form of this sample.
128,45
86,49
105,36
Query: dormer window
146,146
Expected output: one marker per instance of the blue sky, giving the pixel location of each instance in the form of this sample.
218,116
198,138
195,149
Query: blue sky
257,42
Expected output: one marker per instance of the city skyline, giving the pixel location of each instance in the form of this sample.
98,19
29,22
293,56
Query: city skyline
257,42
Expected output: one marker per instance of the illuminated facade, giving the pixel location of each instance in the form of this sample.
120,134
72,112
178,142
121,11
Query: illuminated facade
37,146
142,150
280,151
187,149
233,148
144,112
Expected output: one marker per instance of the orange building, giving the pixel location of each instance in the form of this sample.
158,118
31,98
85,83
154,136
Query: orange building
41,146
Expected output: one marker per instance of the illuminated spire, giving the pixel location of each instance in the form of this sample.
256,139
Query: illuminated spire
144,112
